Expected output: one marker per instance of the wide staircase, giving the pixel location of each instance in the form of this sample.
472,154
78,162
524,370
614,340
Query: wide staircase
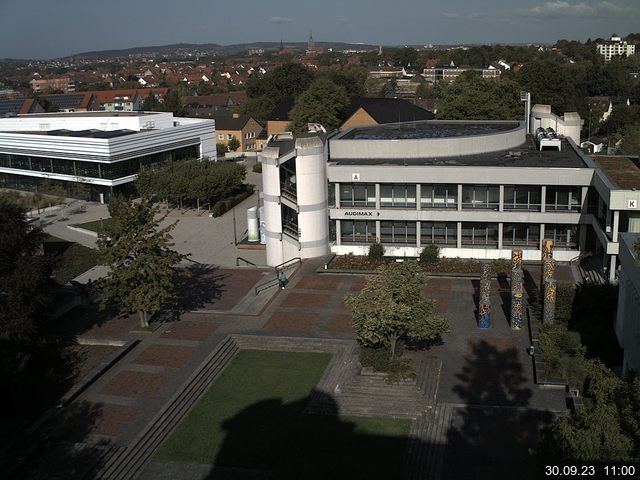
126,463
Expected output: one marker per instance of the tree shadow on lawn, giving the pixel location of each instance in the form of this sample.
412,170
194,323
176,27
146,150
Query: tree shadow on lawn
492,435
270,439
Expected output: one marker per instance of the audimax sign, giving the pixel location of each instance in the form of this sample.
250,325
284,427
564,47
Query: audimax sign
361,213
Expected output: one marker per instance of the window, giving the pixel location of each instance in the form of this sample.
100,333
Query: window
480,234
221,137
398,233
439,233
357,195
439,196
229,136
563,198
521,234
354,231
522,197
397,195
563,236
485,197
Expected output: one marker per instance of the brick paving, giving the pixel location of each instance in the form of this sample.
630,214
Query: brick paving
186,330
127,383
478,367
164,356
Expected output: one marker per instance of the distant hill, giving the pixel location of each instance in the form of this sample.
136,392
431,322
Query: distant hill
210,48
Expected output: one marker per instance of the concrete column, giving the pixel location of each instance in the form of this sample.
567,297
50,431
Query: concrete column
338,231
612,268
500,228
583,200
501,204
582,238
378,198
459,239
418,239
377,230
543,200
418,195
459,198
549,311
541,238
616,225
336,194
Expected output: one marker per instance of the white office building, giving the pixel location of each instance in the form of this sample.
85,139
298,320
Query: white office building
476,189
615,47
104,150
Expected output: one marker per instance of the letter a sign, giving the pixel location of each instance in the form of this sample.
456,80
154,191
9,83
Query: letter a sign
355,177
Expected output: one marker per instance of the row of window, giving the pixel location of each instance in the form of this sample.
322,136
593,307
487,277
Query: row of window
109,171
485,197
446,233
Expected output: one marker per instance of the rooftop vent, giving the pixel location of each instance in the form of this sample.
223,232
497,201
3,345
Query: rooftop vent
547,139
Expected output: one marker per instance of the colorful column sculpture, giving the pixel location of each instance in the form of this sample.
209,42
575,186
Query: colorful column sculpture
547,248
516,259
484,307
549,311
517,280
548,270
516,309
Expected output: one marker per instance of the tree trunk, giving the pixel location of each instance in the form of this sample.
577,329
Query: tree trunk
144,318
392,345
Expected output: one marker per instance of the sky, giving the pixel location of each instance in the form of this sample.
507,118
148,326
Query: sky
43,29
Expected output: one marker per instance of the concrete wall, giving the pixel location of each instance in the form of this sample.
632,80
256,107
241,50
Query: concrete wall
429,147
628,316
359,118
311,189
568,125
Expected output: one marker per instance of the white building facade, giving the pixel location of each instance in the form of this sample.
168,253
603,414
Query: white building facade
615,47
103,150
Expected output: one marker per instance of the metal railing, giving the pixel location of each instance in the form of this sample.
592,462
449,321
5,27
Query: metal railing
273,282
238,259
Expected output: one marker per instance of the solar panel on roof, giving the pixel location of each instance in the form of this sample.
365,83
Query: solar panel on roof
11,106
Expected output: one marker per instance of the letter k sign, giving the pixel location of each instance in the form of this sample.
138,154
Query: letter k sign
632,204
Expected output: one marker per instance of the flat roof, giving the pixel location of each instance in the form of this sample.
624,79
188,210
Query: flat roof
526,155
622,171
101,113
427,129
90,133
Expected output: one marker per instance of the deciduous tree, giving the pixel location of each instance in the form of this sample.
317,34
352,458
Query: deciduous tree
143,267
392,305
323,102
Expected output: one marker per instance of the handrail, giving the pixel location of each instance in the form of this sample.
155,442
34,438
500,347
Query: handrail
244,260
274,282
264,286
290,261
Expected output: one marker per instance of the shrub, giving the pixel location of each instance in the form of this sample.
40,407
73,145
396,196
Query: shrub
376,358
257,167
376,251
400,369
430,254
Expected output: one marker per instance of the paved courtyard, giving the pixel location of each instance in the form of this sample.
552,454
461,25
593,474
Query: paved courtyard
482,380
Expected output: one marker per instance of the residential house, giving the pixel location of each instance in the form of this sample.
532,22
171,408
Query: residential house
210,105
72,102
19,106
278,119
364,111
43,85
241,127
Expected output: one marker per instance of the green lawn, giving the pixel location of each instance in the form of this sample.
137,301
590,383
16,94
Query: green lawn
252,418
95,225
73,258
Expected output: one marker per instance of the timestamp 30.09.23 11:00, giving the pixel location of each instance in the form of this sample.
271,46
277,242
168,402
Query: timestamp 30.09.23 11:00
592,470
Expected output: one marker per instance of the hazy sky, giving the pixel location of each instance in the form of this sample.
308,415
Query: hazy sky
54,28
